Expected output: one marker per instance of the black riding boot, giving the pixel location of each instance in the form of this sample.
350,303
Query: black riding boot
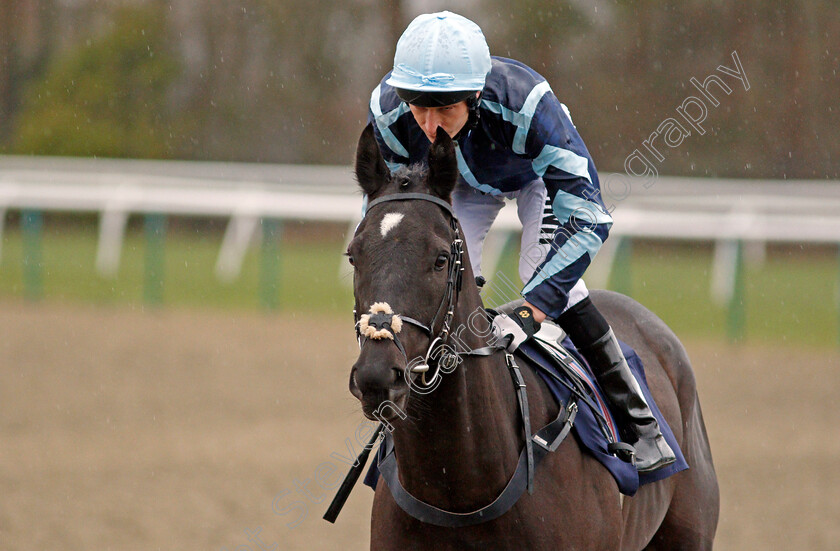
623,391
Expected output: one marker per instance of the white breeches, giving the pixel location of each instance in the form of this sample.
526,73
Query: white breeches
476,211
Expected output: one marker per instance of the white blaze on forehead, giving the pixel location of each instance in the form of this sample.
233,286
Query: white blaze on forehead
389,222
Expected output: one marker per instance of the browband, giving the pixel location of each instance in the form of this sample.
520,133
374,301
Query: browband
409,196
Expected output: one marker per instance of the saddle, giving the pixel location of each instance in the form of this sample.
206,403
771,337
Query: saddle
553,356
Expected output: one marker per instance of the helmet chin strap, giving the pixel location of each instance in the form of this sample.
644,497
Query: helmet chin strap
473,116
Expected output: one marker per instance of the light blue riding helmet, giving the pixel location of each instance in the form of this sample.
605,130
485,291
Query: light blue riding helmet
441,58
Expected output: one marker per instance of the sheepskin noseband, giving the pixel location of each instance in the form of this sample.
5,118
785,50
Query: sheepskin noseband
381,323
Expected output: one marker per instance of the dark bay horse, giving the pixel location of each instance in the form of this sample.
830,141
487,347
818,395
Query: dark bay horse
458,445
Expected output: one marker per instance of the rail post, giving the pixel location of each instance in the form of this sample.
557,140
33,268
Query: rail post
622,275
272,229
736,314
154,225
32,224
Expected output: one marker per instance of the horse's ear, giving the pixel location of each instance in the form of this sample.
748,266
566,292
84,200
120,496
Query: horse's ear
443,165
371,170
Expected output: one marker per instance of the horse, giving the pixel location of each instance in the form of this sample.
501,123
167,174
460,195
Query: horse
458,446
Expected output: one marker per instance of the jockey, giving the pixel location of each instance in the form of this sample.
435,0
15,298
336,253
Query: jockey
514,140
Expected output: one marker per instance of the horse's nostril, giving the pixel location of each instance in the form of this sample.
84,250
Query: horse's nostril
376,379
354,385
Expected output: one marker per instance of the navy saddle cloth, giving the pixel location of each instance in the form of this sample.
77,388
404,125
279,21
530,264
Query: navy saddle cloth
594,426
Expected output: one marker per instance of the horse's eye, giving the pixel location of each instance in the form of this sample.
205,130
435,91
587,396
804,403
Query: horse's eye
440,261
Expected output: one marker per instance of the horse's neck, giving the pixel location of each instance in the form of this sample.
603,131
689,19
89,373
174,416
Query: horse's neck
462,437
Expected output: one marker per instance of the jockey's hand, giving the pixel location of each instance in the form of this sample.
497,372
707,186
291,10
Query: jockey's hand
539,315
515,329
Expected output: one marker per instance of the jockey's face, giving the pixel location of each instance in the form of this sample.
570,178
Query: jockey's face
451,118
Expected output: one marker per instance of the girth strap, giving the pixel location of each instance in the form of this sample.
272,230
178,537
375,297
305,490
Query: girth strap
548,439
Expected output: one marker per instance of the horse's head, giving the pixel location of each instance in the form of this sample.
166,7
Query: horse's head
404,255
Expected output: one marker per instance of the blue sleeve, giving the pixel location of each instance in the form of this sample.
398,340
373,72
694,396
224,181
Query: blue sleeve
582,223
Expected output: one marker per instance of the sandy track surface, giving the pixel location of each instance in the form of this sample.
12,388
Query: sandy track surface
174,430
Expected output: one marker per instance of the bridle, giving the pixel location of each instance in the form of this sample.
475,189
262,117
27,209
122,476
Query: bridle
537,445
437,353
